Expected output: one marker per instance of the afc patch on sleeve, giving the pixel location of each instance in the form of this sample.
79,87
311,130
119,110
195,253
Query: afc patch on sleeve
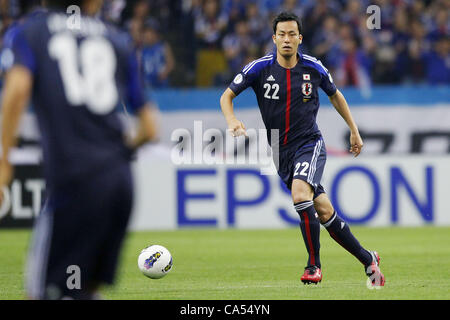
238,79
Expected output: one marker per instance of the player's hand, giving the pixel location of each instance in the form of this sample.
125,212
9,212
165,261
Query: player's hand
236,128
6,172
356,143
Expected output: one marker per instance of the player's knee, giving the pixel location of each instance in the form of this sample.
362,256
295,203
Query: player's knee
301,196
301,191
325,211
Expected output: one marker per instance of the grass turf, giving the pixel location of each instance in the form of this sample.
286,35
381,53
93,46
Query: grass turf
263,265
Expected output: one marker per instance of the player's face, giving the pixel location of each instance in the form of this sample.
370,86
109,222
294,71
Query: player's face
287,38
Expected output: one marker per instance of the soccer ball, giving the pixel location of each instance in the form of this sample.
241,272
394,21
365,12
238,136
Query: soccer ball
155,261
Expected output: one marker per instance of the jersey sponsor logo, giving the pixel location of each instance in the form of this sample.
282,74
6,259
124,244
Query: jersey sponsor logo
238,79
270,78
307,89
307,76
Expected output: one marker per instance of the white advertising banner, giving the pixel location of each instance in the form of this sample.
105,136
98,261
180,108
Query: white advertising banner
387,130
375,191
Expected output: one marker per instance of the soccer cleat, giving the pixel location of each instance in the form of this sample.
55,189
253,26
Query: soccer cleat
312,274
373,271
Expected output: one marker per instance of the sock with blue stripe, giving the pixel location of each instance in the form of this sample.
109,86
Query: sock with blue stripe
310,227
340,232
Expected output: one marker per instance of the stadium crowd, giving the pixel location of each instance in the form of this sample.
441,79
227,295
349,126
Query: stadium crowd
175,38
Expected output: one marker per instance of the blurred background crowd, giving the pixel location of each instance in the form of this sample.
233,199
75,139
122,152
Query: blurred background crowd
202,43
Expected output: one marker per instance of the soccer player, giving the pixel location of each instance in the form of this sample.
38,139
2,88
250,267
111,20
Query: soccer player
286,85
77,70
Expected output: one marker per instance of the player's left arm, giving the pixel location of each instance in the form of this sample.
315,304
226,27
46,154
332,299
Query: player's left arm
16,95
341,106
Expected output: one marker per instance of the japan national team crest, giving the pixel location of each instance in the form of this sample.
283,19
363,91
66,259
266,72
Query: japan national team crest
307,89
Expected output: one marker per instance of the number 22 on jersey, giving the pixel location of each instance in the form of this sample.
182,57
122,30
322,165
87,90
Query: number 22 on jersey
271,91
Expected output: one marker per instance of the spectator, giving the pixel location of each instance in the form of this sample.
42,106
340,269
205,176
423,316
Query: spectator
112,10
325,43
352,13
417,47
385,57
400,42
235,10
437,62
401,51
314,18
237,46
270,7
156,58
210,25
136,23
256,21
355,66
292,6
440,26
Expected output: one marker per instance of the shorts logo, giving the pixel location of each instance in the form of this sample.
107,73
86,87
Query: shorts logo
151,260
238,79
307,89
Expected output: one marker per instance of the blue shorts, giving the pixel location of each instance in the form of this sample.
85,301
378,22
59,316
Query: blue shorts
82,225
305,162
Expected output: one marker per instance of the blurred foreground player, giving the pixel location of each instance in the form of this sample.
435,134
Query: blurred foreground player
77,74
286,85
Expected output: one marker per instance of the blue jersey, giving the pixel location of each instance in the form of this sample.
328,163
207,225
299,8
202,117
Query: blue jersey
153,62
288,98
81,76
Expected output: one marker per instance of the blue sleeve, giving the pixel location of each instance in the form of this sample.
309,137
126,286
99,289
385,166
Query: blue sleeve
327,83
135,89
250,74
247,76
17,50
241,82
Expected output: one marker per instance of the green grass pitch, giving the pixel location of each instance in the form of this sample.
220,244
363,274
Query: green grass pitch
263,265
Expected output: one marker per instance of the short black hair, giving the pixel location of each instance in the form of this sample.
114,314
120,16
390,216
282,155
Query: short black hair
26,5
287,16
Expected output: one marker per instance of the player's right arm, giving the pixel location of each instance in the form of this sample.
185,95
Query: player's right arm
18,61
16,94
235,126
242,81
146,112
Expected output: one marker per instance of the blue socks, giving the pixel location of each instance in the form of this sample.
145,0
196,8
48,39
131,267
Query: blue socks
336,227
340,232
310,227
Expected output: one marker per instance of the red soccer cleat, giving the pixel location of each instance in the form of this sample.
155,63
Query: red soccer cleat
373,271
312,274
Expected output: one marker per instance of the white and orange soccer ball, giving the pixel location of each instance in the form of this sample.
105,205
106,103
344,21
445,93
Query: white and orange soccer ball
155,261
